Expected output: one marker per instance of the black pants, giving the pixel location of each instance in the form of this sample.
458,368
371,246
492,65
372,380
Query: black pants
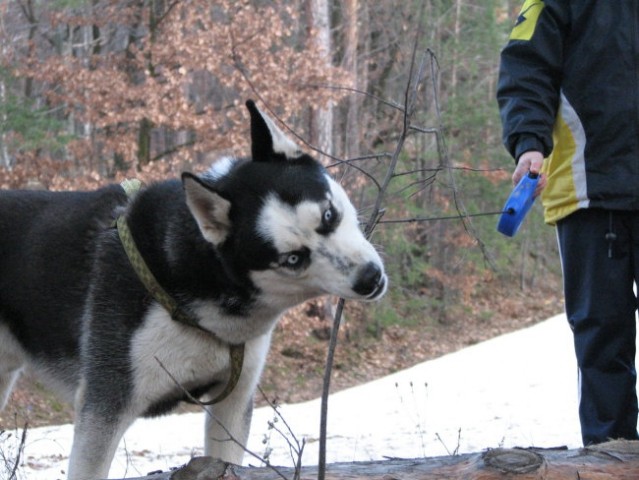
599,271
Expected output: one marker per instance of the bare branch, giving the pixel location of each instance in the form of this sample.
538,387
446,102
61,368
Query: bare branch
410,97
357,91
321,474
445,163
23,440
459,216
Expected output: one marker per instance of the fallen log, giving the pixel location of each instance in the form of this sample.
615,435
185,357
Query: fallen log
618,460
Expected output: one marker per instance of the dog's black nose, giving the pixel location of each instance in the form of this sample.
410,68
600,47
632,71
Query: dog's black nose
370,280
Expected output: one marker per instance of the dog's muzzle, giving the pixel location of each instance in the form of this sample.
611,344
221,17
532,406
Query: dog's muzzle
371,281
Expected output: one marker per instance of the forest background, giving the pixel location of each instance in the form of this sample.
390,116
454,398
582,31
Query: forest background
95,91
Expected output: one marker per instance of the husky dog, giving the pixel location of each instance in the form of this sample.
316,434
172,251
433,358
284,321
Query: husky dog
229,251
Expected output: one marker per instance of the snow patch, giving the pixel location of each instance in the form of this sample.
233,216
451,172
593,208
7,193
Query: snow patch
518,389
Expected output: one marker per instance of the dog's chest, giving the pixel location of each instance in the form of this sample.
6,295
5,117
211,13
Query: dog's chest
167,356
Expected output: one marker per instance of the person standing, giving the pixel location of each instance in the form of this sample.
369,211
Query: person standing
568,95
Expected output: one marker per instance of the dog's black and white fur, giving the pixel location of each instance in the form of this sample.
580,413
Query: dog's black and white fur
234,247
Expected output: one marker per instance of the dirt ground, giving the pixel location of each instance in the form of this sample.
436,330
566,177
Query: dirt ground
296,362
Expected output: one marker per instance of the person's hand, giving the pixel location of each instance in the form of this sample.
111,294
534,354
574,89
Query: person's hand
530,162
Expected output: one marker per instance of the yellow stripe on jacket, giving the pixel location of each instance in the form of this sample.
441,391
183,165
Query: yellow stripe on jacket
566,190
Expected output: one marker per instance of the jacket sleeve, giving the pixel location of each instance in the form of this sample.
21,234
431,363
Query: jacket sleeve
530,76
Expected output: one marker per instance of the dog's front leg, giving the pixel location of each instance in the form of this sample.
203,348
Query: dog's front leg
95,440
97,432
227,428
228,422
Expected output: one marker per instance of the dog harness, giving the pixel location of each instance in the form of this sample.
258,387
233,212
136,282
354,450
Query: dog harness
142,270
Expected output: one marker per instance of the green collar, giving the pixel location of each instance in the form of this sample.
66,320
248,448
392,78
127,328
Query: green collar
142,270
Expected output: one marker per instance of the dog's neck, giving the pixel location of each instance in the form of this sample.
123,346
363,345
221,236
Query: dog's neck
178,314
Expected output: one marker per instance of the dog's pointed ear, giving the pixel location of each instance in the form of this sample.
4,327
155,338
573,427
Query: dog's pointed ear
268,142
210,210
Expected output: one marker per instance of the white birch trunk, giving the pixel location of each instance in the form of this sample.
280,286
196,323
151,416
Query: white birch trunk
5,157
4,150
322,118
352,140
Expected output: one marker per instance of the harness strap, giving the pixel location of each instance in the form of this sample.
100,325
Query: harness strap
142,270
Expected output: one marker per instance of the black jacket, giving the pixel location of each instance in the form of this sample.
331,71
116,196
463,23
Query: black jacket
569,87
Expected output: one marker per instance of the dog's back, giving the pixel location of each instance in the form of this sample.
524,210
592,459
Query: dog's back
46,250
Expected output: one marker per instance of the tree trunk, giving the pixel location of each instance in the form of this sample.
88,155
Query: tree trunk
617,460
321,118
351,37
144,142
456,43
5,158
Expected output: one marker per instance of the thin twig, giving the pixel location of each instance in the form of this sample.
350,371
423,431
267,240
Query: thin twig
298,447
23,440
459,216
356,91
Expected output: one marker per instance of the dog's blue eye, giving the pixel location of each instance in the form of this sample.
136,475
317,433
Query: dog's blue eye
330,220
295,260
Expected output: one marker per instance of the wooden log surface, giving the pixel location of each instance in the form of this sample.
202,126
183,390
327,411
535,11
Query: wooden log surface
618,460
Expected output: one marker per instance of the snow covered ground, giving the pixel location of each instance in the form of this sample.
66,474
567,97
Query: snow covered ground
519,389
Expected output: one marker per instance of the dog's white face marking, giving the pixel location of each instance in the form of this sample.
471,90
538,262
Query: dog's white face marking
321,249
